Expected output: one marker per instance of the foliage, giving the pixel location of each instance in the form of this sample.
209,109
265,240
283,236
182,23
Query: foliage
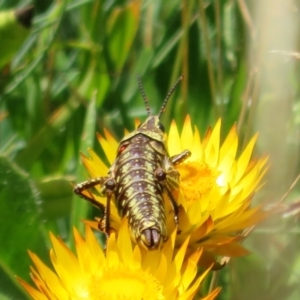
76,75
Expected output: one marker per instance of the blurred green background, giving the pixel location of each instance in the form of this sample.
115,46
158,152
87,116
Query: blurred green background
73,73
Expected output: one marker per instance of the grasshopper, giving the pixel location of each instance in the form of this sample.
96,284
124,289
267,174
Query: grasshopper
142,173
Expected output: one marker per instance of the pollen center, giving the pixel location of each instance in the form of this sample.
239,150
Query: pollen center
197,180
126,284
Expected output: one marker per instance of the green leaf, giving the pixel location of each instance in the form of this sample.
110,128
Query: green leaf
81,207
122,28
95,79
57,195
45,135
20,225
14,29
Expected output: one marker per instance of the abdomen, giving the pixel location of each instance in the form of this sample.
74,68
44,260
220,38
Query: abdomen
138,193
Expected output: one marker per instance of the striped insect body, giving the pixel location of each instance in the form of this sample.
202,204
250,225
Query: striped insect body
139,180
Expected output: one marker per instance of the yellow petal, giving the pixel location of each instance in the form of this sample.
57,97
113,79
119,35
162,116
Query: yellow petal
109,147
35,294
174,144
244,159
187,134
213,145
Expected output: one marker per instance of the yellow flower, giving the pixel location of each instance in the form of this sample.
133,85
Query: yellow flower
121,272
216,188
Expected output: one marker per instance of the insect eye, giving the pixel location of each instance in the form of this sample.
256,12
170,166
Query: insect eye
122,148
161,127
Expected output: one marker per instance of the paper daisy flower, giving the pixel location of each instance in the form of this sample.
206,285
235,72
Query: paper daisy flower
216,187
122,271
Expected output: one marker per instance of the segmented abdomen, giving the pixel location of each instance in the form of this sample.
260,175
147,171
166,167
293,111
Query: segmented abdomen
138,193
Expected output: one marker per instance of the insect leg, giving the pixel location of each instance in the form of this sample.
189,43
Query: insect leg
169,179
86,185
181,157
108,185
174,205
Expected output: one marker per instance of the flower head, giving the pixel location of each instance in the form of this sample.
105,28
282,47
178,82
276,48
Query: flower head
123,271
216,187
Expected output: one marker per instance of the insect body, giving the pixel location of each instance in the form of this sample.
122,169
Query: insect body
138,179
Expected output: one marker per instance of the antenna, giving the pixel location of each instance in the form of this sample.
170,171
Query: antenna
144,95
169,95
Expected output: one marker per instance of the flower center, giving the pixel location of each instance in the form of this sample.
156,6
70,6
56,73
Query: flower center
126,284
197,180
